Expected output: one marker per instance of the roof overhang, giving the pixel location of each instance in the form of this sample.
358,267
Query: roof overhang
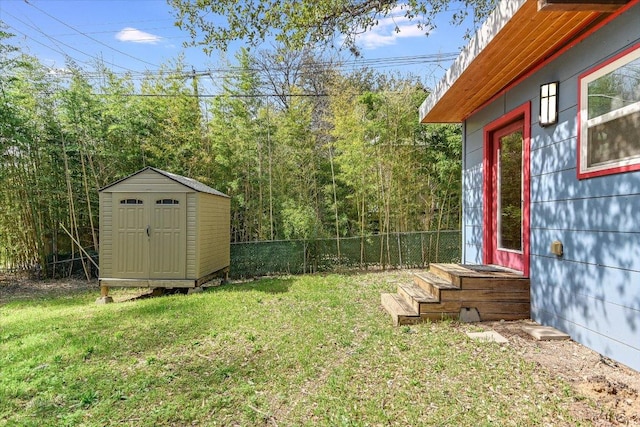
518,36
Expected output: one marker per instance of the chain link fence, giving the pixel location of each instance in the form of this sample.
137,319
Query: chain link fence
263,258
395,250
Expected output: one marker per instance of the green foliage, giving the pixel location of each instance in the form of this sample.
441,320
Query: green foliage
299,222
330,156
215,24
401,171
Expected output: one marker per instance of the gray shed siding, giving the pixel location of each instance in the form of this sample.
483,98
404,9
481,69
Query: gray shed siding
593,291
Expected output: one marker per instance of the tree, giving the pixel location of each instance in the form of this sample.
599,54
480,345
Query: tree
309,22
329,154
239,133
27,165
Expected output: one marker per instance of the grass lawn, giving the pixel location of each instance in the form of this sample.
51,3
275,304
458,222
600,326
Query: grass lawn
308,350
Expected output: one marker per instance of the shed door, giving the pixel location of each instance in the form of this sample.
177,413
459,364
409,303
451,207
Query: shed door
150,236
168,239
130,243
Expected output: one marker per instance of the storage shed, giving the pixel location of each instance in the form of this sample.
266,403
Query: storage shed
162,230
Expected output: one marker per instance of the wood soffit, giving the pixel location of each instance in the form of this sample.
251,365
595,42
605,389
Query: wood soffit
580,5
528,36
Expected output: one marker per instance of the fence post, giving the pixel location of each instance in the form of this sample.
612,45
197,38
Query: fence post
304,257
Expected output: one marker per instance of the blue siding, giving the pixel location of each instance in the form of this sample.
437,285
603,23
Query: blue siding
613,250
473,251
604,214
593,291
614,286
563,185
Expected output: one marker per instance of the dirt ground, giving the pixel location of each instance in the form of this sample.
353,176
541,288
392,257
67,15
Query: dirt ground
20,287
613,389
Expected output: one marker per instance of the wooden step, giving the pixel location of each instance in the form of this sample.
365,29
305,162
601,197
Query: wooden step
401,312
489,310
436,316
415,296
479,276
497,293
441,307
450,272
473,295
431,283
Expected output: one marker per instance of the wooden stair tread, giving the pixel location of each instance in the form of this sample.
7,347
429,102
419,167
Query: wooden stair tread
475,270
416,293
396,305
436,281
400,310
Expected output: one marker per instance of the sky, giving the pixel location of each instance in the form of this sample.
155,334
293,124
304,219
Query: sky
139,35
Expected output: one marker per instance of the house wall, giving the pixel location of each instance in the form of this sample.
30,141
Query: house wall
213,233
593,291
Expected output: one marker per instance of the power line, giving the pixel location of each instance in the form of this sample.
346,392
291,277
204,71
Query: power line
89,37
113,31
61,52
354,65
193,95
56,42
359,63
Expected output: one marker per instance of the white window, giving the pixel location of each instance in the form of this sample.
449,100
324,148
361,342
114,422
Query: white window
167,202
131,202
610,116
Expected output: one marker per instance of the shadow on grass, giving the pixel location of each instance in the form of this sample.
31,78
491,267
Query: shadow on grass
266,285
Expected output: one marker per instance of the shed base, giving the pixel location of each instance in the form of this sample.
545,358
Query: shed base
148,283
106,283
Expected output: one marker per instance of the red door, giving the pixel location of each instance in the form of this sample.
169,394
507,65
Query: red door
506,212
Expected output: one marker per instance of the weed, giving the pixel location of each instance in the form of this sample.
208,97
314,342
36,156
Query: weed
87,353
88,398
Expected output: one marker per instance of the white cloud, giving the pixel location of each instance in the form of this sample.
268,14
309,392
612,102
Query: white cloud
386,32
58,71
132,35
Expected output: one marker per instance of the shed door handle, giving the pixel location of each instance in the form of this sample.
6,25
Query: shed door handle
148,231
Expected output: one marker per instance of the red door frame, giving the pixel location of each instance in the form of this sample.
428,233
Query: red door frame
521,113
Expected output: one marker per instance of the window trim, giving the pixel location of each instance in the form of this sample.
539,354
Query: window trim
615,166
131,201
167,202
523,112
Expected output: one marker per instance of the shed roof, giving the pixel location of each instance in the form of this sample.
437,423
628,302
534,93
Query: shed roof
187,182
515,39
